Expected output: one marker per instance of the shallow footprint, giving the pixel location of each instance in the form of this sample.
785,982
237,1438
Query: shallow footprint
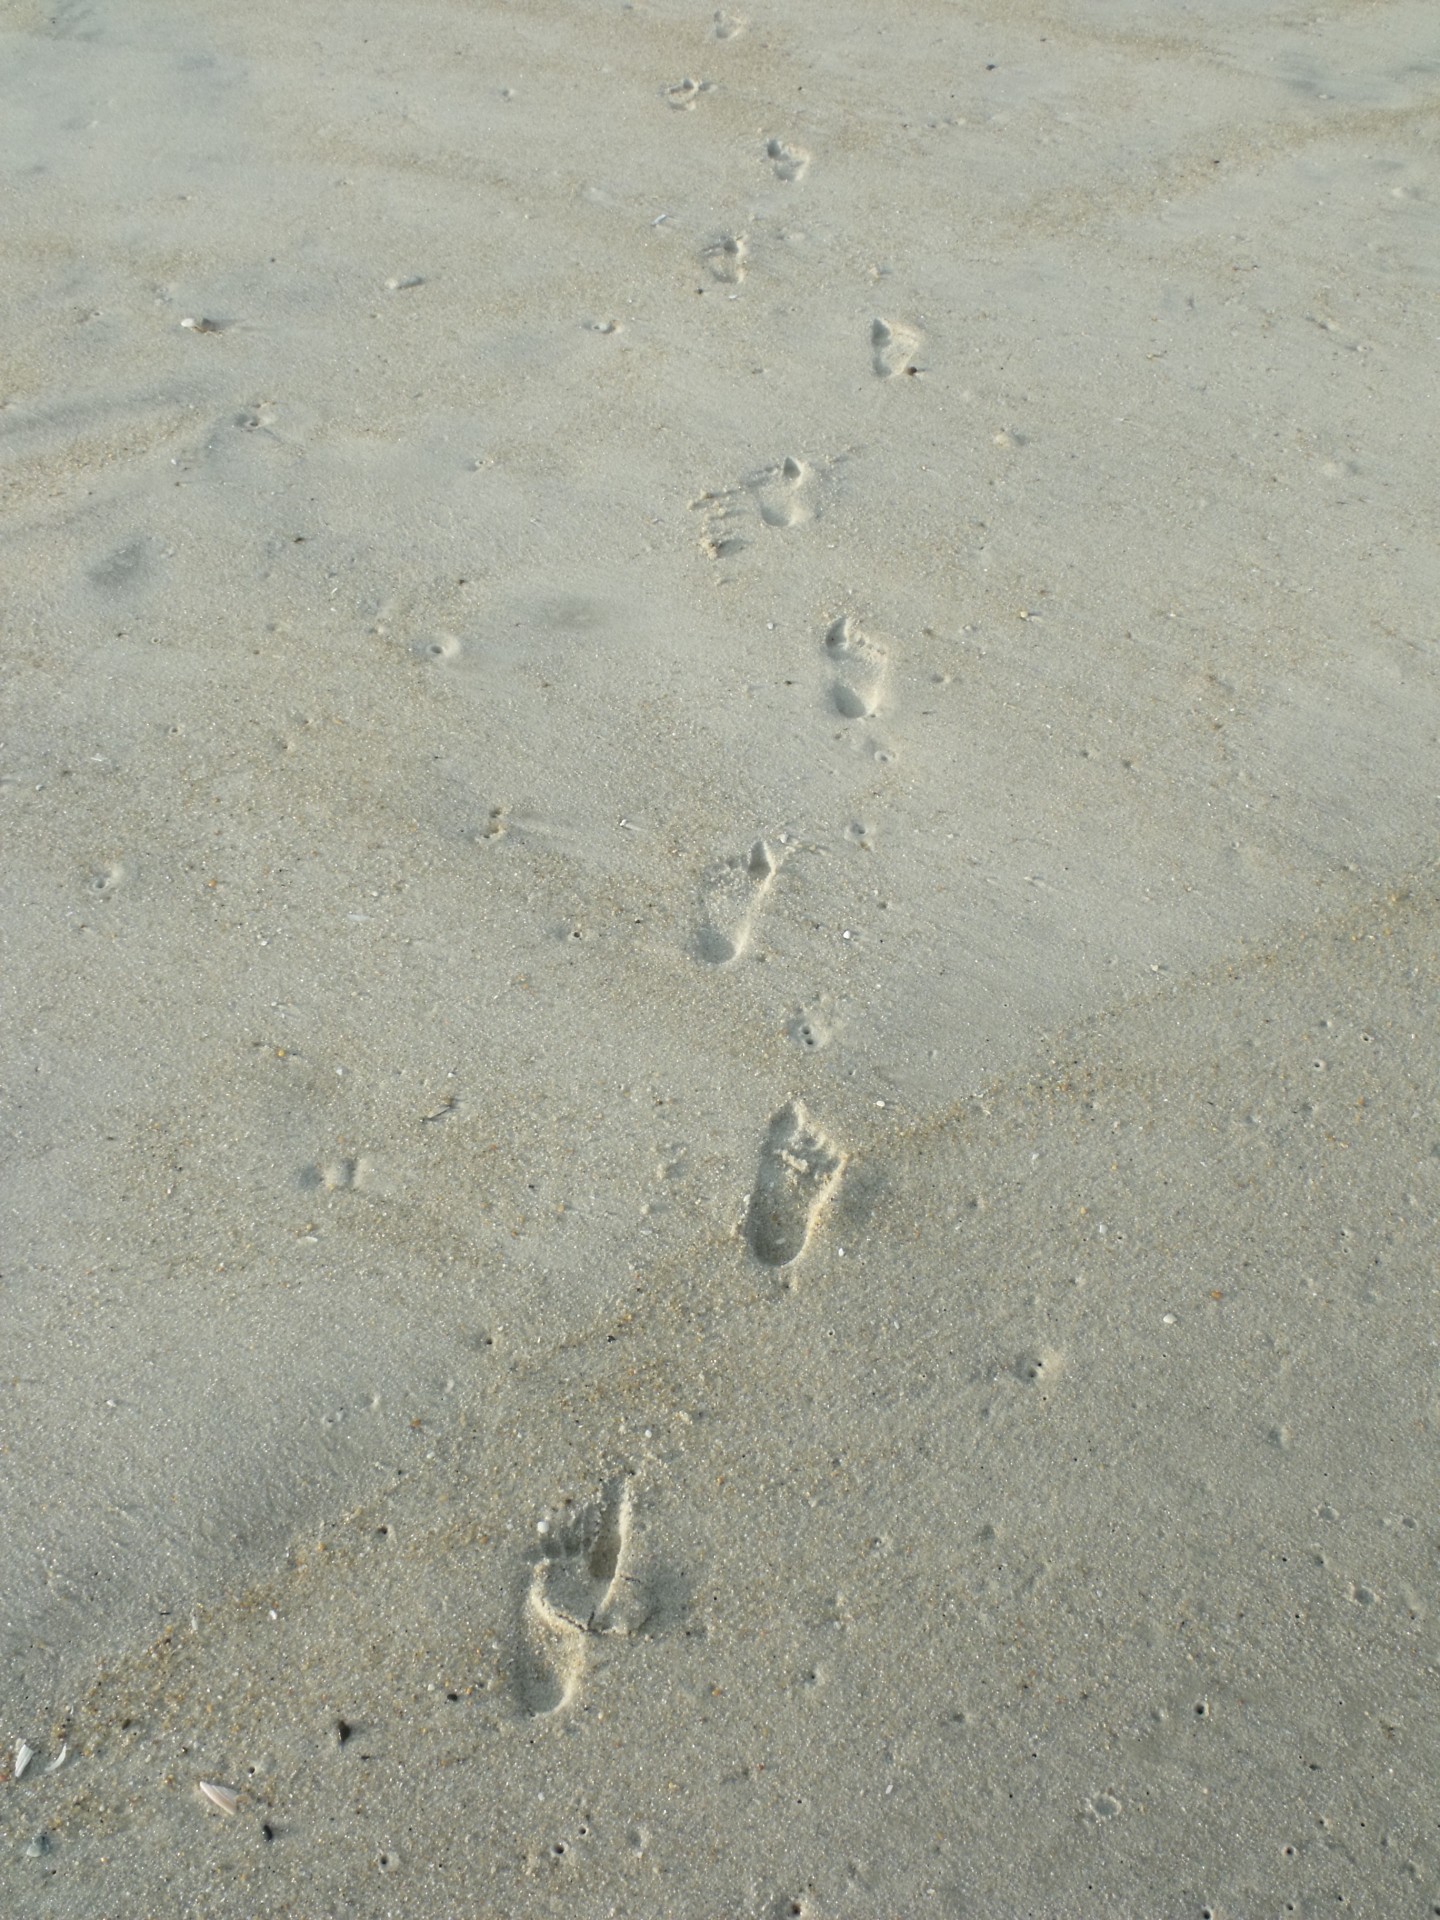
800,1168
685,93
861,667
789,162
893,348
581,1585
780,493
731,894
721,535
810,1028
726,259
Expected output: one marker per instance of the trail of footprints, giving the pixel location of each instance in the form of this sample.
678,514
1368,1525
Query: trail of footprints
583,1585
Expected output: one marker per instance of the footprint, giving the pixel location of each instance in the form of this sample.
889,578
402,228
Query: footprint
731,894
861,669
107,880
728,26
781,493
726,259
721,536
579,1587
810,1029
497,825
685,93
345,1173
893,348
800,1169
789,162
440,649
784,496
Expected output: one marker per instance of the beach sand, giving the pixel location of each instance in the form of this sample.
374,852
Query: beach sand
719,780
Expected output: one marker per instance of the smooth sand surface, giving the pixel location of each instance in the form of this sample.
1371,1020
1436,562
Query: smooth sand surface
719,1042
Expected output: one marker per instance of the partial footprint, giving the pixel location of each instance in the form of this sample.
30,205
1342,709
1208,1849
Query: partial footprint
685,93
580,1586
721,534
861,669
810,1028
731,894
781,493
726,259
893,348
728,26
345,1173
552,1658
107,880
440,649
800,1168
789,163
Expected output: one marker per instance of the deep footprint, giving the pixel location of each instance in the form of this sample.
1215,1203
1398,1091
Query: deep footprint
731,895
800,1168
860,670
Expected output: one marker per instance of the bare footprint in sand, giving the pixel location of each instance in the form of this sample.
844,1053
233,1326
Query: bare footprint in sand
731,894
861,670
784,496
685,93
782,493
788,162
800,1168
893,348
726,259
580,1586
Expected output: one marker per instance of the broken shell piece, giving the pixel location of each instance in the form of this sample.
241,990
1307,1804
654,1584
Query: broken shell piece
60,1758
24,1754
225,1798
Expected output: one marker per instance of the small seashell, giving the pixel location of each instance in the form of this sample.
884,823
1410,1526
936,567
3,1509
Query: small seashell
60,1758
225,1798
24,1754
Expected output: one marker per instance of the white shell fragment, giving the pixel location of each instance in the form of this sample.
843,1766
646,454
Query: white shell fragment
24,1754
60,1758
225,1798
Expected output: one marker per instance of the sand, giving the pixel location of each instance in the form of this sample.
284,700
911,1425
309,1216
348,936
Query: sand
719,959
